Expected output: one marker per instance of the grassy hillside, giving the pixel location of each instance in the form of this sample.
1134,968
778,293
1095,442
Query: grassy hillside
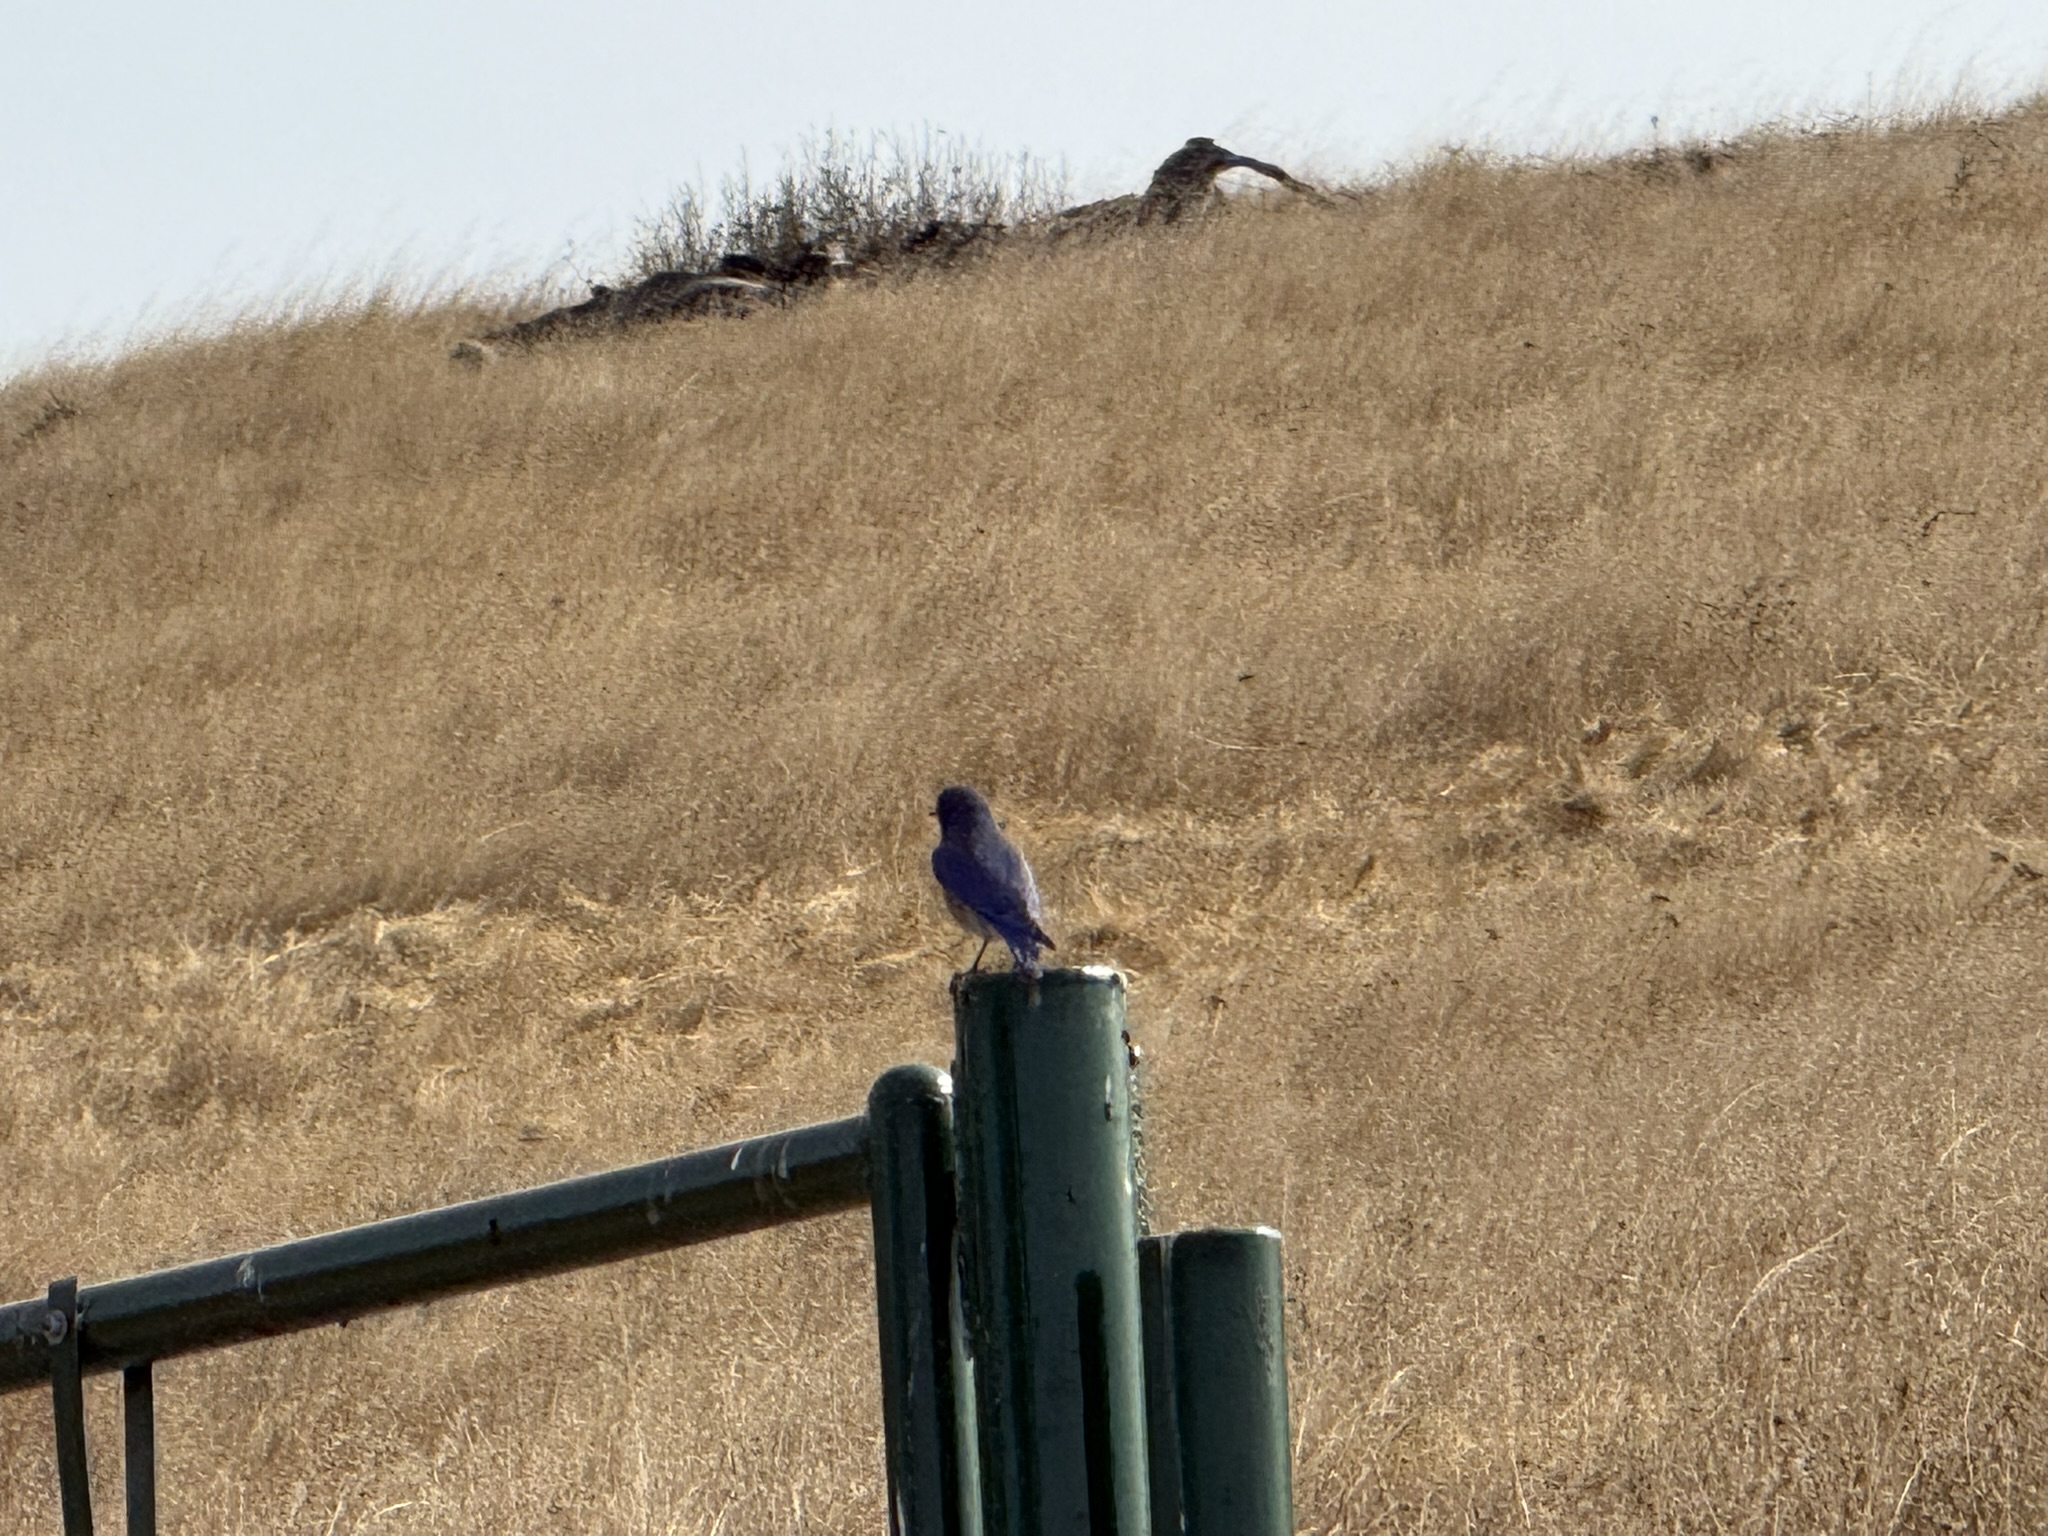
1540,673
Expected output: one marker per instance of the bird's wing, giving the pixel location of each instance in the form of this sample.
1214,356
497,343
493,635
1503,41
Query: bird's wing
1015,872
998,901
1029,886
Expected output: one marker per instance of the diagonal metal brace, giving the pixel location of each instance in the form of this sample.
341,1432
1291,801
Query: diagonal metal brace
67,1401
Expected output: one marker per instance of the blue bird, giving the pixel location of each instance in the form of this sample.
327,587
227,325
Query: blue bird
987,885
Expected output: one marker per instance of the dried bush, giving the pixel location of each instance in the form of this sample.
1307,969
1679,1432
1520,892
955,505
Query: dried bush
837,192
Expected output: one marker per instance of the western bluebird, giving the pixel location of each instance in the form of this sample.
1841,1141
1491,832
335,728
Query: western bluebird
987,885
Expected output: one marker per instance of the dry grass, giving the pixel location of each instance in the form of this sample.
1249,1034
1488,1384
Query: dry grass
1541,674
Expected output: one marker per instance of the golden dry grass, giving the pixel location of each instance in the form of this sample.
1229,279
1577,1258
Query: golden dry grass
1539,672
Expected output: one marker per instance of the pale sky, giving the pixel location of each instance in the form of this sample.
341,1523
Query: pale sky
168,165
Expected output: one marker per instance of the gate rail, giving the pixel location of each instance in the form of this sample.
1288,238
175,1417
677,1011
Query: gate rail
337,1276
130,1324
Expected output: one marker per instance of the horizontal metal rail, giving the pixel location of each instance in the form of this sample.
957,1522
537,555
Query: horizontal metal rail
341,1275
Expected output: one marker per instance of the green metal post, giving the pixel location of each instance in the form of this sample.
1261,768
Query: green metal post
927,1393
1048,1226
1216,1383
138,1405
67,1403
